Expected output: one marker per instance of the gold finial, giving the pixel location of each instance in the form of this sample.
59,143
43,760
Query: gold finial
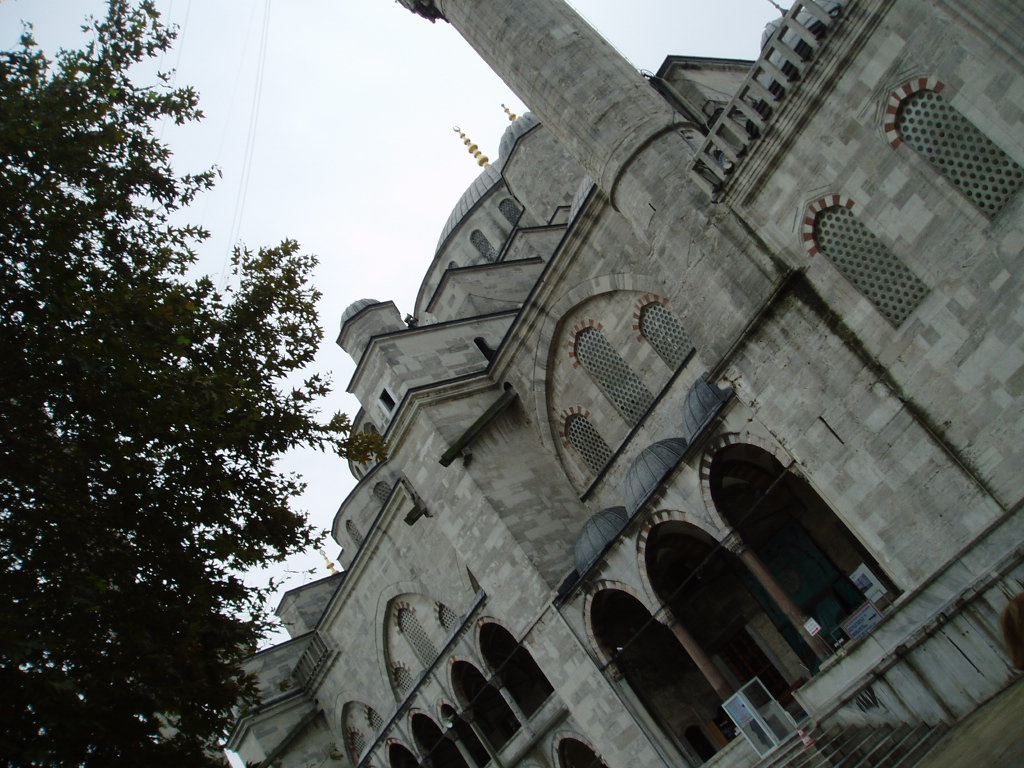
474,150
510,113
330,566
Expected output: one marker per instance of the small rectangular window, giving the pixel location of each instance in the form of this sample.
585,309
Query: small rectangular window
387,400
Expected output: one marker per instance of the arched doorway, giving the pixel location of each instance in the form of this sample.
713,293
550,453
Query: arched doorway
400,756
658,669
804,546
573,753
441,752
706,589
495,718
515,666
464,732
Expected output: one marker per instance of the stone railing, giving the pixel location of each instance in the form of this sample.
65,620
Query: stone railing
313,663
785,59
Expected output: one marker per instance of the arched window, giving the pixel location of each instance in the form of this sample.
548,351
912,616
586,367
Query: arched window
402,677
483,245
865,261
518,671
446,616
963,154
353,533
373,719
620,384
409,625
661,328
381,491
588,443
356,743
510,210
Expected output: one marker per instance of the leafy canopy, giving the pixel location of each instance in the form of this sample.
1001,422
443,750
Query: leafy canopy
141,416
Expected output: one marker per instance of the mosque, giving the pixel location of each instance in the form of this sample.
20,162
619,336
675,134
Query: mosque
706,425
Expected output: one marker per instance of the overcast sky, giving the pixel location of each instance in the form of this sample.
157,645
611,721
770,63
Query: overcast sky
346,144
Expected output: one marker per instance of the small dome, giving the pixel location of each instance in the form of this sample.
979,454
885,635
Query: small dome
355,308
597,533
649,469
514,132
702,402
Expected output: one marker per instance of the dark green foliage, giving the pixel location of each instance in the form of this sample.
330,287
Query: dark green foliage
141,416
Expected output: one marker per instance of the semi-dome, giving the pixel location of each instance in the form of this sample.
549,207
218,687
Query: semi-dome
597,533
649,469
702,402
355,308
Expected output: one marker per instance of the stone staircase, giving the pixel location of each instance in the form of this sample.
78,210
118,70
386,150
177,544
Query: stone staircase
857,747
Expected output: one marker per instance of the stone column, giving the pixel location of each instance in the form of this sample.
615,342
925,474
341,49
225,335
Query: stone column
510,700
453,737
470,719
697,653
767,579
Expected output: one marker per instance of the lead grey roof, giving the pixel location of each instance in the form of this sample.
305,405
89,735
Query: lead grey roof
489,177
597,533
649,470
355,308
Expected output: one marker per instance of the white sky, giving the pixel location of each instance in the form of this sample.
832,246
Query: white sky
353,152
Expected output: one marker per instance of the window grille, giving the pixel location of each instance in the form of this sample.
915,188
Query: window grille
381,491
446,616
587,442
963,154
373,719
868,264
620,384
409,625
510,211
403,678
661,328
356,744
354,534
483,245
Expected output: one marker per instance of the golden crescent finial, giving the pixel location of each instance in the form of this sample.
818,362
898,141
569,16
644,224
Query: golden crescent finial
330,566
473,149
511,115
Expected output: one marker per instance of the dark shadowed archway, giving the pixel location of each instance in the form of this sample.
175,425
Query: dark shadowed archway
482,700
515,666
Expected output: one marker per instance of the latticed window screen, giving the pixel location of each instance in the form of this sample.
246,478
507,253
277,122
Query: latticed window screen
356,743
588,443
509,210
618,381
373,719
483,245
409,625
353,532
661,328
446,616
868,264
966,156
403,678
381,491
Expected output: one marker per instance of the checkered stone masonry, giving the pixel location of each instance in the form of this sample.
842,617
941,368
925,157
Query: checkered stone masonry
864,260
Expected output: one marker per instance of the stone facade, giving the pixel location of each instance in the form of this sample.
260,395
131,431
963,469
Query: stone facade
687,374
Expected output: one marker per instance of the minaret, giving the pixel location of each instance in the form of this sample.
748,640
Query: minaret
595,103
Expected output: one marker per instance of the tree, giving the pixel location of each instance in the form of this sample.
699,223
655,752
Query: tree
142,413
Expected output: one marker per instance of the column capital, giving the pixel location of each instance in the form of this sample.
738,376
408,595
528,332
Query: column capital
666,617
734,542
426,8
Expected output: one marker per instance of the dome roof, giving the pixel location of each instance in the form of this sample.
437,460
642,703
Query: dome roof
649,469
355,308
597,533
701,404
489,177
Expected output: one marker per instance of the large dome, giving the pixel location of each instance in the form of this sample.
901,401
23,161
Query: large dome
649,470
597,533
